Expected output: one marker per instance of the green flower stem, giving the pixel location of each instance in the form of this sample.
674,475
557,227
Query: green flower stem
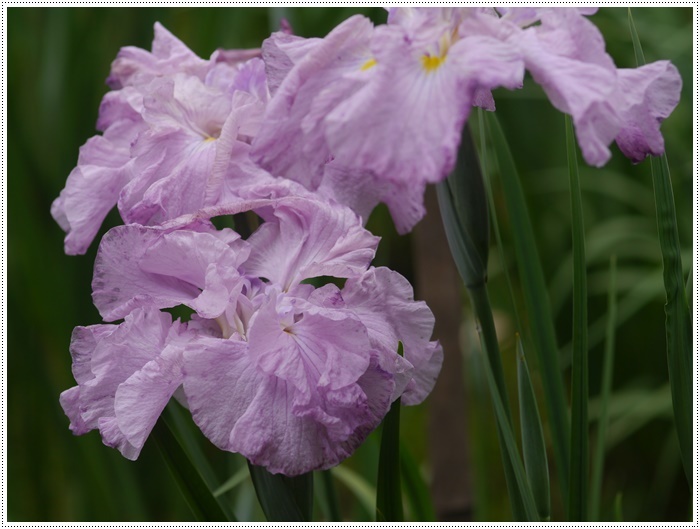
536,302
679,331
331,496
578,469
608,363
389,501
522,502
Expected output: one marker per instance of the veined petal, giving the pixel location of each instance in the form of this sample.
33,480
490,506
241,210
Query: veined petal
281,51
92,189
241,409
383,300
308,347
115,354
289,144
149,267
648,96
308,238
140,399
168,56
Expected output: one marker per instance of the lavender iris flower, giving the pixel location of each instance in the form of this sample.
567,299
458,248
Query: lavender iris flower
292,376
176,134
373,114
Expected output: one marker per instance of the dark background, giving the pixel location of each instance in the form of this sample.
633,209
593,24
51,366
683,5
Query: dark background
58,59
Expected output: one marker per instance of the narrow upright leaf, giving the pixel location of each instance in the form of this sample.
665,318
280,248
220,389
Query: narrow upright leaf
534,450
204,505
578,484
389,504
606,387
283,498
536,302
511,455
417,491
330,496
678,323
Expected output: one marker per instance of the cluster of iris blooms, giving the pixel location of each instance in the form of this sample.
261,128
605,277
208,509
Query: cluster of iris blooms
310,135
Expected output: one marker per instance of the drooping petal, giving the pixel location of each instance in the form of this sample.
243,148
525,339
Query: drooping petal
138,266
104,168
116,354
242,410
649,94
140,400
383,300
566,55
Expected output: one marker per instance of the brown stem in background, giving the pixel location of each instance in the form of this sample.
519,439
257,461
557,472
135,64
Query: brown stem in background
438,283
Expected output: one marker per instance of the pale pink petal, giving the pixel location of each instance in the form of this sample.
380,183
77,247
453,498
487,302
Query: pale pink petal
113,354
383,300
148,267
240,409
308,238
307,346
289,143
135,66
649,94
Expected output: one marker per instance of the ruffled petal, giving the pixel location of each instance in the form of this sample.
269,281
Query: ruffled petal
149,267
649,95
168,55
308,347
383,300
140,400
281,51
242,410
307,238
290,142
104,168
115,354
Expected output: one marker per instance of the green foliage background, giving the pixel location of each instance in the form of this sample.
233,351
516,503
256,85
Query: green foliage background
57,60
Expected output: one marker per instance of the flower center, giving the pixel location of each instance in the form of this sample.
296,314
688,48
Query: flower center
369,64
431,62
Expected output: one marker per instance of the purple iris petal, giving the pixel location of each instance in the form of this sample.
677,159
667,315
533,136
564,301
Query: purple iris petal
126,374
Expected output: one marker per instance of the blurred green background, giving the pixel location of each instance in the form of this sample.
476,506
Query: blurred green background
58,59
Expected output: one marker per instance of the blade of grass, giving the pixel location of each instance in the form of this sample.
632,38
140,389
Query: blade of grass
331,497
232,482
534,450
578,469
283,498
536,302
193,487
619,517
678,322
416,489
358,486
606,387
389,501
189,442
489,341
510,451
494,216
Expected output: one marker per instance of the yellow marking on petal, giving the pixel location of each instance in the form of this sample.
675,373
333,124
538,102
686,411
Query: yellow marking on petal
369,64
209,138
431,62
